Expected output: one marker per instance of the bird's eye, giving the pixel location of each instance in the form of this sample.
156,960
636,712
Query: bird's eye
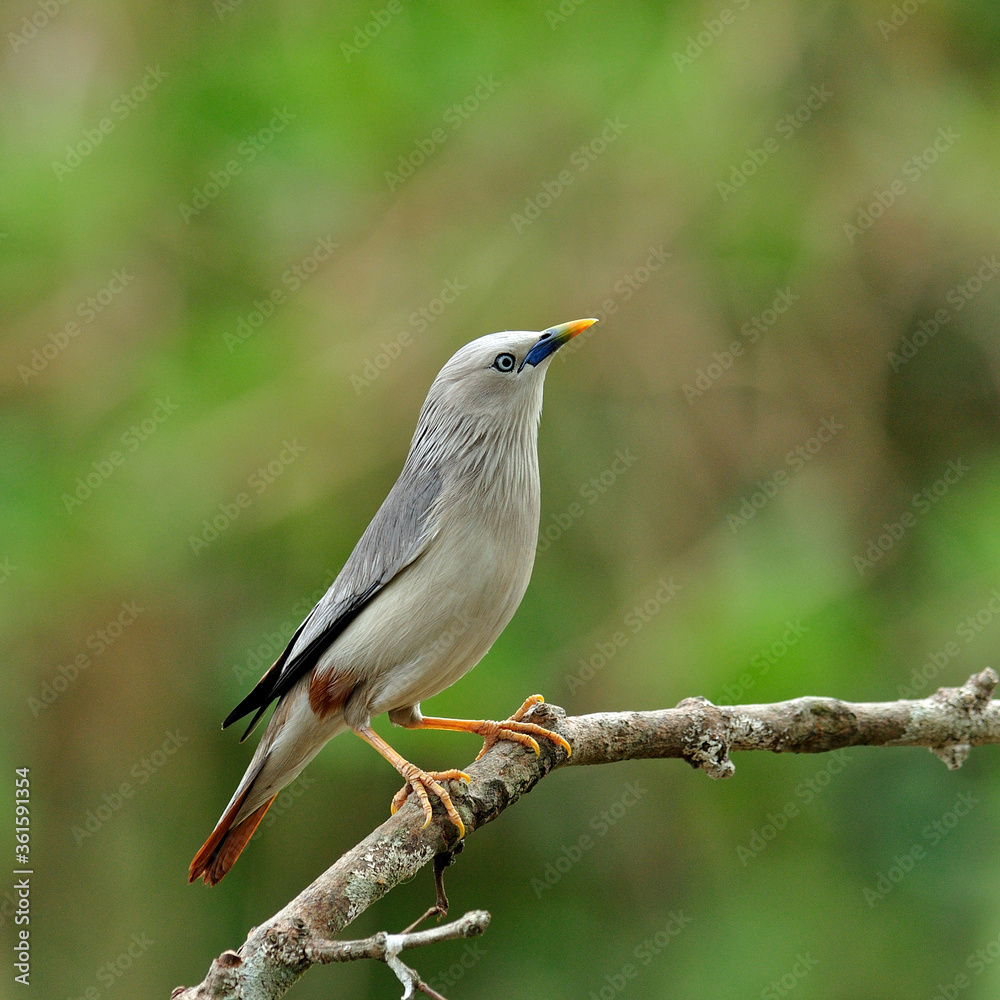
504,362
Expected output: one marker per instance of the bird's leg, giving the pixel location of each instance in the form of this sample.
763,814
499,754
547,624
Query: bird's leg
418,781
510,729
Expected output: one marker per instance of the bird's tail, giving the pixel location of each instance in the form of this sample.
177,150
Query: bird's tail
225,844
294,735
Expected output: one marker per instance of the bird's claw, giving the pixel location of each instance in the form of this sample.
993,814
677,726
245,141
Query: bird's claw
529,703
516,731
420,782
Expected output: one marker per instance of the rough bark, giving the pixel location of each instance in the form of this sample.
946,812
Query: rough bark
949,723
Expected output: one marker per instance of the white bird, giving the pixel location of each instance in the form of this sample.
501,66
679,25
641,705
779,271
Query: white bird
433,581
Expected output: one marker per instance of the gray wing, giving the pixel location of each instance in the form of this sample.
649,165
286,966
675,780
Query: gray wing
397,536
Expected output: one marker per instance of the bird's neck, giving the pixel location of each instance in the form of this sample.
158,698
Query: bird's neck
478,453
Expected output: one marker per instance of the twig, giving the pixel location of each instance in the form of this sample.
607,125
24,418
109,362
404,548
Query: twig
949,723
387,947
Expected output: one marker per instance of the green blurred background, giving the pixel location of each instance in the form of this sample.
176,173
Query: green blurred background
675,169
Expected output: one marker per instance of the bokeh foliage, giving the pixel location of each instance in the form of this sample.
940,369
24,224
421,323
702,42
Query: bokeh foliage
693,95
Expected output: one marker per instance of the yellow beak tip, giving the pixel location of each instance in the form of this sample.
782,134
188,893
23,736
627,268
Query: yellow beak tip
577,326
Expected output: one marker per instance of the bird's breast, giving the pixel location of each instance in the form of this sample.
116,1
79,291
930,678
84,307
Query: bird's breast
439,617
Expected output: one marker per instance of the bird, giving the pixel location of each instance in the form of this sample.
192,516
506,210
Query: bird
430,585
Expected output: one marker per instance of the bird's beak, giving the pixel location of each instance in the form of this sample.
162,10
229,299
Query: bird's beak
553,338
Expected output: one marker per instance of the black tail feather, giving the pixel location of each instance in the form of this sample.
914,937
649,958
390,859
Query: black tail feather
253,722
264,691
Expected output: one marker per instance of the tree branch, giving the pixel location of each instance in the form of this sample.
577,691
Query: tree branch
949,723
386,948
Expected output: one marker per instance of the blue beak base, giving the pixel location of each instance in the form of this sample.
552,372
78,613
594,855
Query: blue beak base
553,338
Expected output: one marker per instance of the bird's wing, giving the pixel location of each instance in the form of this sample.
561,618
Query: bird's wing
398,535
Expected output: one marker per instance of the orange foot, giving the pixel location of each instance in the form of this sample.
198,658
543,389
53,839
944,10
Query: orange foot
510,729
420,782
416,780
516,730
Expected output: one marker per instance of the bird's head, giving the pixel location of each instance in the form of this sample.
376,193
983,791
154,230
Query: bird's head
501,374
